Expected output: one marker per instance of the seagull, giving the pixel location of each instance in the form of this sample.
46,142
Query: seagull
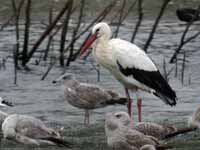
88,96
3,115
4,103
120,136
188,14
30,131
129,64
160,131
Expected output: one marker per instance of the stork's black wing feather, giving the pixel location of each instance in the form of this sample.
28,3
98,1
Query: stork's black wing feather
153,80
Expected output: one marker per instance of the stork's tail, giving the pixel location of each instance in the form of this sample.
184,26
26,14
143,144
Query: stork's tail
169,99
59,142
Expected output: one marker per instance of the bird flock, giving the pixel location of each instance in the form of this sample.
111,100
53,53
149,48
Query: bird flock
131,66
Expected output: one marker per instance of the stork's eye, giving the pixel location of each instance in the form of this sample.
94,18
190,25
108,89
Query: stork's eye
97,30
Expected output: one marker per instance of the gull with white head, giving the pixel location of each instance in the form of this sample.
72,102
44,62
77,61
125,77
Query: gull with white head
160,131
88,96
129,64
120,136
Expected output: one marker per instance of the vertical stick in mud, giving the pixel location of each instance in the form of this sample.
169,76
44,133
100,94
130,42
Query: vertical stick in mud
75,33
164,5
183,68
50,38
47,32
140,17
26,32
64,33
16,12
183,41
15,59
120,18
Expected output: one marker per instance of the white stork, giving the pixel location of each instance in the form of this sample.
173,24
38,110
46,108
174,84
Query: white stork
129,64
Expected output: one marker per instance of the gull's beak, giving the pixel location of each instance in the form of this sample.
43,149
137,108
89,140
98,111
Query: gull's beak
5,103
58,80
88,42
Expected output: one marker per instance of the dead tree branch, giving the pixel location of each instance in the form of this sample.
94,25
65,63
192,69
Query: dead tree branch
16,14
6,23
64,33
151,35
47,31
140,17
50,38
183,68
15,58
26,32
120,18
75,32
52,63
183,41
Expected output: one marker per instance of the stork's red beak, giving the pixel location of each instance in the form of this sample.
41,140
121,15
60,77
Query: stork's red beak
87,44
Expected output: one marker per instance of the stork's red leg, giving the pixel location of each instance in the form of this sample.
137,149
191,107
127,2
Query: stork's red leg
129,102
139,106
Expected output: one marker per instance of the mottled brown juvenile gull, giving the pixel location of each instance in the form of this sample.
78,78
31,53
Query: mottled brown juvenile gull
30,131
119,136
160,131
88,96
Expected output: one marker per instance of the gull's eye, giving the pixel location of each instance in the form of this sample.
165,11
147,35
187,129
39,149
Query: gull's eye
118,115
65,77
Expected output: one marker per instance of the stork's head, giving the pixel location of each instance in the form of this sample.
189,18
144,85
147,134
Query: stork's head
4,103
114,120
99,31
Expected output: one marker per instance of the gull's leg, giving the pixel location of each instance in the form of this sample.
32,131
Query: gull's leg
129,102
139,106
87,118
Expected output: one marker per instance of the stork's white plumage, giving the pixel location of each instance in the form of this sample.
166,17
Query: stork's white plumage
129,64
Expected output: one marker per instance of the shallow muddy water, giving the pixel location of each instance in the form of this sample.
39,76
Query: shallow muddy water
44,100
